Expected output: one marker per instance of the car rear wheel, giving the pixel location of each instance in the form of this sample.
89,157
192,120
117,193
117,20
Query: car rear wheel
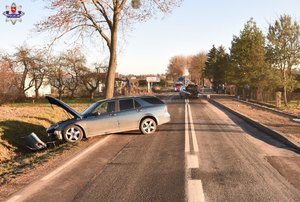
148,126
73,134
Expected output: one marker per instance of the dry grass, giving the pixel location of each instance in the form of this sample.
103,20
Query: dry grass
19,120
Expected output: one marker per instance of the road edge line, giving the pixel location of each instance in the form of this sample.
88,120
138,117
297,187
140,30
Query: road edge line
55,173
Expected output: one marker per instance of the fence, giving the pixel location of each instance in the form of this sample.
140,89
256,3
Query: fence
268,97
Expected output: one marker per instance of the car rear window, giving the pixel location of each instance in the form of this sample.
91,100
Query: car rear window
126,104
152,100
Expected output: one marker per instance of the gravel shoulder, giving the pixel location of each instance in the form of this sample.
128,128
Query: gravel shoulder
289,128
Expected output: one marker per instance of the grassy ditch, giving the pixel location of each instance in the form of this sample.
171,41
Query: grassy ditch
20,119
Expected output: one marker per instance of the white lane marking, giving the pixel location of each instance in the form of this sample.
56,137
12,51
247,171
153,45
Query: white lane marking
187,137
195,191
13,199
192,161
39,184
195,143
76,158
193,188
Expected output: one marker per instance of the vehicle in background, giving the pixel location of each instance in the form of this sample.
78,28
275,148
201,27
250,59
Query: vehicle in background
182,79
178,86
114,115
193,90
189,91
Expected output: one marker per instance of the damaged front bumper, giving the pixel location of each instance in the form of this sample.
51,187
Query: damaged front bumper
54,133
33,142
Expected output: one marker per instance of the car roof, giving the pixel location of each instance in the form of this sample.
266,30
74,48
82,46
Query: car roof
122,97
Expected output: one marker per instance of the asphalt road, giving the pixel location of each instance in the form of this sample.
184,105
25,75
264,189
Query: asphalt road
203,154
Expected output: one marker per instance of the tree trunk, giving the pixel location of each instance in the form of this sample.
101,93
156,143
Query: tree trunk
60,94
244,93
285,96
285,89
72,93
92,95
36,90
37,94
110,81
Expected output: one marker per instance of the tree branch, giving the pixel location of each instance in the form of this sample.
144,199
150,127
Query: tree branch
120,8
99,29
101,8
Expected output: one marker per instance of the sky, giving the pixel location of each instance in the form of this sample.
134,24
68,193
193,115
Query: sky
193,27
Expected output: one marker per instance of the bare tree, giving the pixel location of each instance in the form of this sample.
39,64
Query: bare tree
21,63
75,66
103,17
197,67
91,80
38,70
8,89
57,74
177,66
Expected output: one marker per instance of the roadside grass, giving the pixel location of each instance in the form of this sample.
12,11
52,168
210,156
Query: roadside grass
291,104
22,161
294,104
292,108
13,131
20,119
44,102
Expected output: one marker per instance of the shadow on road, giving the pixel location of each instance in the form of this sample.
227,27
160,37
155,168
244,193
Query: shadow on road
134,132
256,133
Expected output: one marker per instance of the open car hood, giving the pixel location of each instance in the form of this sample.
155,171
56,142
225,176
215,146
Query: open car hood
63,105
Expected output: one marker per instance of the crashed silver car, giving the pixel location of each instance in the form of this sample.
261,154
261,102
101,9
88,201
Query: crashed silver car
121,114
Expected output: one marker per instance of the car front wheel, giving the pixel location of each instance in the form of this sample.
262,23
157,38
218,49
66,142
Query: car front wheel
73,134
148,126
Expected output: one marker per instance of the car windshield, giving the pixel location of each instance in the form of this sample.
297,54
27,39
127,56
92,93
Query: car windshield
90,109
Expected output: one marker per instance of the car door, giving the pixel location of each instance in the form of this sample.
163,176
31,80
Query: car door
103,119
128,115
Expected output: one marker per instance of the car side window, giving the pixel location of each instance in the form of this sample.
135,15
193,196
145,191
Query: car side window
111,107
137,104
106,107
126,104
